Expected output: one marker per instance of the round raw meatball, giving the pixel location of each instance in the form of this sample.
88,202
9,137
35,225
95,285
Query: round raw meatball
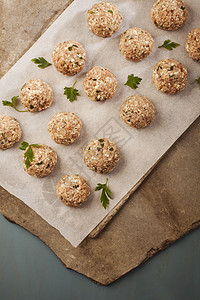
101,155
192,45
169,14
136,44
100,84
69,57
137,111
169,76
104,19
73,190
36,95
10,132
43,163
64,128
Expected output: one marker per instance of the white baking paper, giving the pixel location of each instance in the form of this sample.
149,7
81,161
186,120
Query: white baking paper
139,149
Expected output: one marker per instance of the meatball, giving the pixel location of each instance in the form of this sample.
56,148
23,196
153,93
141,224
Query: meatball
169,14
100,84
137,111
169,76
73,190
69,57
10,132
136,44
104,19
64,128
43,163
36,95
101,155
192,45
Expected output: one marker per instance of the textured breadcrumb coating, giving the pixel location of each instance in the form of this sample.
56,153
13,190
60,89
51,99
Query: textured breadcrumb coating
104,19
192,44
137,111
69,57
10,132
169,14
36,95
136,44
101,155
169,76
100,84
72,190
44,161
65,127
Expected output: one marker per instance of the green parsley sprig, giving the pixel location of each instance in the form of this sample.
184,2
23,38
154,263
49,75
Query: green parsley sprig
169,45
23,86
41,62
71,92
133,81
12,103
28,155
105,194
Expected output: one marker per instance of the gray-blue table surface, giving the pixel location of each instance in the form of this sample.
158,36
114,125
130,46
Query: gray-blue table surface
29,270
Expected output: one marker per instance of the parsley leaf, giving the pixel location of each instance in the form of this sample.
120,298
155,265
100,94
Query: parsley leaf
71,93
24,145
169,45
105,194
110,11
12,103
104,199
28,155
133,81
198,80
41,62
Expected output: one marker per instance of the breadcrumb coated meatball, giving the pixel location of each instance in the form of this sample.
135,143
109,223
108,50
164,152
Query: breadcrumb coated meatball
136,44
104,19
192,45
169,76
43,163
100,84
101,155
72,190
64,128
36,95
69,57
169,14
137,111
10,132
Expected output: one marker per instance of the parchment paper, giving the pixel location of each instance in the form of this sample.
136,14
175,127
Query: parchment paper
139,149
